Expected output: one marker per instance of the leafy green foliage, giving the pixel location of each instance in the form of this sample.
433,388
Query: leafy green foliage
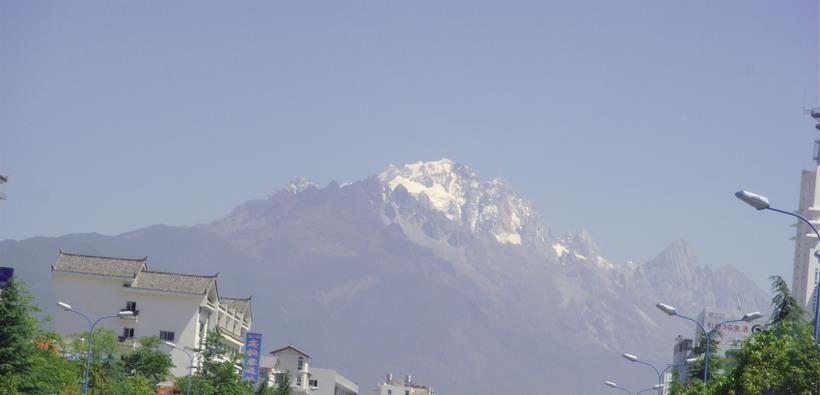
715,361
29,362
199,385
218,370
16,328
785,306
283,384
783,359
148,361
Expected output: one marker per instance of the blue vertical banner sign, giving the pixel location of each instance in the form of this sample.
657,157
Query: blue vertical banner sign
6,273
253,343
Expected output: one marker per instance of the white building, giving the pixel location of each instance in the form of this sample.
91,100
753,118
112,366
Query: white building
305,379
180,308
330,382
395,386
732,335
806,271
682,351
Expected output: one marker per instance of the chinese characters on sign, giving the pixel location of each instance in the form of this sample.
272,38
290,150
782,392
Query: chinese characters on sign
253,343
729,327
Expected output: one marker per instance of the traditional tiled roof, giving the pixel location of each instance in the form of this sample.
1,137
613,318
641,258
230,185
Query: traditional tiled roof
236,304
99,265
274,352
173,282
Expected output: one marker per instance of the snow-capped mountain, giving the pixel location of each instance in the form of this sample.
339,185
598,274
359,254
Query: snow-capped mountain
426,268
488,209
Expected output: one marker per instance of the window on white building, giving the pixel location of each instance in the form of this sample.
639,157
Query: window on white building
128,333
389,392
166,336
299,380
301,364
131,306
314,383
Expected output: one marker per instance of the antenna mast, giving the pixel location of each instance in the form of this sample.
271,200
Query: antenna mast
815,113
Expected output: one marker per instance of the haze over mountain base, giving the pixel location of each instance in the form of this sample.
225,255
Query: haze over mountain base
426,269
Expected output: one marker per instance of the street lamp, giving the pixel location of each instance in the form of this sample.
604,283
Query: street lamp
633,358
67,307
761,203
688,361
190,367
613,385
658,387
748,317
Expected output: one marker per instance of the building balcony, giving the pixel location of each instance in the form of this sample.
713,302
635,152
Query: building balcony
127,343
133,316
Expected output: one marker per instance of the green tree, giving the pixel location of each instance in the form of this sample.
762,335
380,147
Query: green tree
283,384
29,362
17,327
784,358
785,307
199,385
219,369
716,362
148,361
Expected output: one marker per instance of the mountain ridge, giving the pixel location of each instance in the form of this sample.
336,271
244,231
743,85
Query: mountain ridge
377,274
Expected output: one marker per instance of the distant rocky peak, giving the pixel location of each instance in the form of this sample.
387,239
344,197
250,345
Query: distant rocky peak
583,244
443,182
679,252
484,208
299,185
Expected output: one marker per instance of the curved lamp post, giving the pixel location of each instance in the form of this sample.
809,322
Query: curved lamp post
67,307
658,387
613,385
190,367
762,203
633,358
671,366
748,317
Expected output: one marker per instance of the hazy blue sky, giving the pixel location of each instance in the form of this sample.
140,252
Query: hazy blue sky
634,119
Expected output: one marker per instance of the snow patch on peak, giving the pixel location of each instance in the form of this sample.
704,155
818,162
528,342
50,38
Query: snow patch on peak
299,185
508,238
560,249
440,181
490,209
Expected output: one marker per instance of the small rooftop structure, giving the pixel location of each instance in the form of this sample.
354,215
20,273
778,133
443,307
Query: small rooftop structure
286,348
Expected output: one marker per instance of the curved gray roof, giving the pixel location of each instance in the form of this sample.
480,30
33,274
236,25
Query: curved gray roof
173,282
99,265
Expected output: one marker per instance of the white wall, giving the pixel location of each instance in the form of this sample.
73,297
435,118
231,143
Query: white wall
97,296
288,361
329,380
805,264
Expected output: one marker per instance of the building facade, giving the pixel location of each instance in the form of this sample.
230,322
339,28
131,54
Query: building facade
732,335
806,272
304,378
396,386
330,382
179,308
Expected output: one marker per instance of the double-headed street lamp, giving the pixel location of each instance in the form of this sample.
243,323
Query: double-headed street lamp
761,203
121,314
633,358
190,367
613,385
748,317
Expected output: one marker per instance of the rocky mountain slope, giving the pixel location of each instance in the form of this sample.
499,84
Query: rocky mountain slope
428,269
